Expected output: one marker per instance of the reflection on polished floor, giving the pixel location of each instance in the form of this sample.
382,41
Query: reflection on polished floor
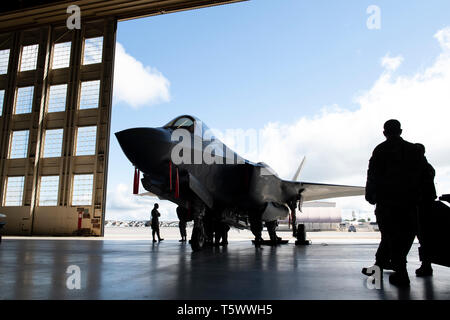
110,269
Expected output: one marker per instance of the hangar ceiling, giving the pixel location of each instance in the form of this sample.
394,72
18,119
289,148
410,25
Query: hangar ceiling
25,13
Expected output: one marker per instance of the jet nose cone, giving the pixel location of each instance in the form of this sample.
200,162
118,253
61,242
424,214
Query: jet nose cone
146,148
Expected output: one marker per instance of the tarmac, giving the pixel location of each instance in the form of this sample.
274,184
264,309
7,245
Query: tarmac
126,264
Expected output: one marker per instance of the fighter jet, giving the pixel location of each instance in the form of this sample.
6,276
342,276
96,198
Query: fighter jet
183,162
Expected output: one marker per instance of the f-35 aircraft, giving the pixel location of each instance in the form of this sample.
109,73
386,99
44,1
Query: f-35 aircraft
184,163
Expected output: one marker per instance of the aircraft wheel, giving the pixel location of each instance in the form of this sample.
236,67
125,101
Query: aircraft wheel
197,239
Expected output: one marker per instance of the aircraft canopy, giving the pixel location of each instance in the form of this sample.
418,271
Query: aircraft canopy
190,123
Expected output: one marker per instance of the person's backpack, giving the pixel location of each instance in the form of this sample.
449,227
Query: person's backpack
437,233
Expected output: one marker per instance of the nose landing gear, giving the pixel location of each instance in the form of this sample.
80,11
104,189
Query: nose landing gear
198,237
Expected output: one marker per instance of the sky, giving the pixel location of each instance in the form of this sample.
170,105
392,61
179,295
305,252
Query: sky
307,78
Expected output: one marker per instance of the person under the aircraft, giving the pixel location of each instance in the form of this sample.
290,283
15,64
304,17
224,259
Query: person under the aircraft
221,233
182,215
155,222
209,226
394,186
425,207
256,227
271,229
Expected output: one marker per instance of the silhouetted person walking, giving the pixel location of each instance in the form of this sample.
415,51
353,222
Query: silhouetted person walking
393,184
425,207
155,222
182,215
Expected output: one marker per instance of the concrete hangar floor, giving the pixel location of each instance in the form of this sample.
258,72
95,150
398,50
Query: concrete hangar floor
40,268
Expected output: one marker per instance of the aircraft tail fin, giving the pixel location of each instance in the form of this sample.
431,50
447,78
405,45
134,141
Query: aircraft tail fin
300,167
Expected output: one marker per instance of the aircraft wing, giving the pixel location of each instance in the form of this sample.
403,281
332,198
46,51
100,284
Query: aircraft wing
318,191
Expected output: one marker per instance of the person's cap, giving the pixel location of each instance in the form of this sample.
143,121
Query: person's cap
392,127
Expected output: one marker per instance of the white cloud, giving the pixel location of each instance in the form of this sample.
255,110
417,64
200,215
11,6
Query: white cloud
338,142
391,63
443,36
123,205
138,85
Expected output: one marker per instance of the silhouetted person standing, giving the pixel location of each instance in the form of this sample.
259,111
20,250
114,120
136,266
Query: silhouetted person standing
225,229
425,206
393,184
221,233
182,215
155,222
271,229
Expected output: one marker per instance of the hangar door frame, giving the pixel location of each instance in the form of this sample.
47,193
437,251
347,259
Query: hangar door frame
72,214
62,192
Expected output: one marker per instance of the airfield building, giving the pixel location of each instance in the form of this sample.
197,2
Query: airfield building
318,216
